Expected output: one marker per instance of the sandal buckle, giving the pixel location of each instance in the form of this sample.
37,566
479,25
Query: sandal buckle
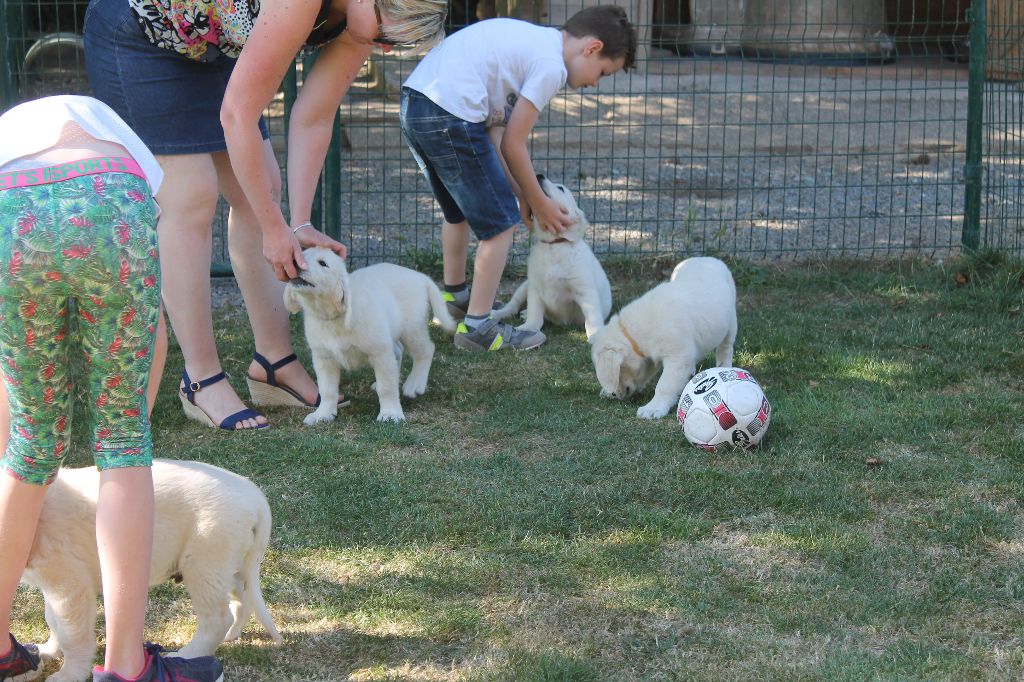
194,386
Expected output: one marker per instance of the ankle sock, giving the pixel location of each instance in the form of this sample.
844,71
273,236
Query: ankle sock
474,322
459,292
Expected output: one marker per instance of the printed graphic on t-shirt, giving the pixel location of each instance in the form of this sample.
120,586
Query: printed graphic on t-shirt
499,117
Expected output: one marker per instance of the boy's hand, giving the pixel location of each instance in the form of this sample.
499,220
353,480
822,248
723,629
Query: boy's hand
525,213
551,216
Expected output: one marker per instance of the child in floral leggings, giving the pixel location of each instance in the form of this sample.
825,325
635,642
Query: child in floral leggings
89,238
78,224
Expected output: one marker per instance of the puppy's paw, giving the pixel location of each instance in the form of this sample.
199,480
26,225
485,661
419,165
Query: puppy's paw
191,650
412,389
50,649
62,675
651,411
321,415
391,415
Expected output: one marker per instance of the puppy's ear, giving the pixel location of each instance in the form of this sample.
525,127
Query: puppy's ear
343,296
291,299
602,331
608,362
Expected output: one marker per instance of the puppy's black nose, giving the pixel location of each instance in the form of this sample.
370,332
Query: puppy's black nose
540,177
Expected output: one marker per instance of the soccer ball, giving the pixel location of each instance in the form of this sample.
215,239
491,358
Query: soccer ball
723,406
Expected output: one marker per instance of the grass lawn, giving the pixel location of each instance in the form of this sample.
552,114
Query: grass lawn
520,527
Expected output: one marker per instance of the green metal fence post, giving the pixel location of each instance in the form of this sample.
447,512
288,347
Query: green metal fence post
11,24
316,212
973,169
290,88
332,182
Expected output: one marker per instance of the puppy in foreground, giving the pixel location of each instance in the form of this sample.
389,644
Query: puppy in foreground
367,317
672,327
211,531
564,280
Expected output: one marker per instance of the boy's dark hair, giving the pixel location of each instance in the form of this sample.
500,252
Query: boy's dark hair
611,26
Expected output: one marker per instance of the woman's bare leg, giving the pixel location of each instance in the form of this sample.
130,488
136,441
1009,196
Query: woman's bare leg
262,291
188,201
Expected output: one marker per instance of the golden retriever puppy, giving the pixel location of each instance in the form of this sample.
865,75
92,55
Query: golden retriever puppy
368,317
671,327
565,283
211,531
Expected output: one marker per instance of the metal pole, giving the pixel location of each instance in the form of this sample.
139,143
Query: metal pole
6,57
332,182
317,211
290,88
973,168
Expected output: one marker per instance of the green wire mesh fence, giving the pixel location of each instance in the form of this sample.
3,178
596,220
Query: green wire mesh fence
1002,224
763,129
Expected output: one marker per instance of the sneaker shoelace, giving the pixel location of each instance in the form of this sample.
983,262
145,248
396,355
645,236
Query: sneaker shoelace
20,651
160,669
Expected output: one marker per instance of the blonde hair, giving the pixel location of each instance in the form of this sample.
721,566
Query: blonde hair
419,23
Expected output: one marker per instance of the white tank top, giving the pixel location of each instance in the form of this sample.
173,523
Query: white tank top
56,129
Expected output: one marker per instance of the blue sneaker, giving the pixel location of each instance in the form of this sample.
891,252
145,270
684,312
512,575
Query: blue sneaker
21,664
169,669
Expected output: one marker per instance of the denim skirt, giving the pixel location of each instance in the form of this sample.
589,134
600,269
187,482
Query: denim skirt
170,101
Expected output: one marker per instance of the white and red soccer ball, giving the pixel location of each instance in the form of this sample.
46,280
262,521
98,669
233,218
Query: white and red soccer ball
724,406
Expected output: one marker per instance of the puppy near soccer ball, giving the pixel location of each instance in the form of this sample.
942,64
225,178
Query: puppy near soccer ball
671,328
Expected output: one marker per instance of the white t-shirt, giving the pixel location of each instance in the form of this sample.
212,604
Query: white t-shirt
36,125
478,73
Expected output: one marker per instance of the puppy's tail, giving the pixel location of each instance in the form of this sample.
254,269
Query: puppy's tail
252,594
440,308
514,305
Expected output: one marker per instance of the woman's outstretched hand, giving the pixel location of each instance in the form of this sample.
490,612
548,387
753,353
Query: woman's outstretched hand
309,236
282,250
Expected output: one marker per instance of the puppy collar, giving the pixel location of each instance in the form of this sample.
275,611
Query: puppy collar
632,341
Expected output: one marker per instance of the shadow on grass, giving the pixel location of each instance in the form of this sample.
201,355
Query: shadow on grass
518,526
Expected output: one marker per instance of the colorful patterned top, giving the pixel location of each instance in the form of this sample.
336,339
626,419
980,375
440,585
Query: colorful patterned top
203,30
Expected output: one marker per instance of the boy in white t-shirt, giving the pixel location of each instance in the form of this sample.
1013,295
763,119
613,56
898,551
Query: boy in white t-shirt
467,112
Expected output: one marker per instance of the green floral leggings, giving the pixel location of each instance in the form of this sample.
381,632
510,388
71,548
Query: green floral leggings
92,240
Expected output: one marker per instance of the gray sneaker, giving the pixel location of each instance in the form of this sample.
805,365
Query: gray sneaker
494,335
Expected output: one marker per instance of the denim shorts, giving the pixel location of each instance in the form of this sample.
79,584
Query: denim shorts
170,101
462,166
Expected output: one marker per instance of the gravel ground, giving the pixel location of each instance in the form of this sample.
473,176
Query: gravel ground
728,156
